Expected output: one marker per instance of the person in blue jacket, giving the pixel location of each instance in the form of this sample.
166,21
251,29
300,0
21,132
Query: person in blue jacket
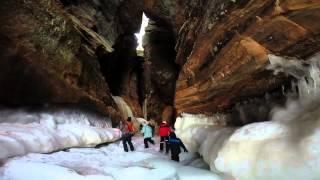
175,144
147,134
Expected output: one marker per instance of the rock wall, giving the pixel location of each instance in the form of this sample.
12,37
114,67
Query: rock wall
223,48
218,50
167,12
161,72
48,50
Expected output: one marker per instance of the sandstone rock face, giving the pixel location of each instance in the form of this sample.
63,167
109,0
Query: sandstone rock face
123,71
168,114
223,49
47,50
160,69
218,50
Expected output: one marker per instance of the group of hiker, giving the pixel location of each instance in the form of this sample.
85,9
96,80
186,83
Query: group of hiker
167,137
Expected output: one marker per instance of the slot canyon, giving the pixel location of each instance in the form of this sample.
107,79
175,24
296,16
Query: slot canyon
237,81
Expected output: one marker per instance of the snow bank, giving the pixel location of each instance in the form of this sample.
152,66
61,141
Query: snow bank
266,150
22,132
109,162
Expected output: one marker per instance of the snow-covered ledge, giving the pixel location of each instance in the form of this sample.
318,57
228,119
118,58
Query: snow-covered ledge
23,132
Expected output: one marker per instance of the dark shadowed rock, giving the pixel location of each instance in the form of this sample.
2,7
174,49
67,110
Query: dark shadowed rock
48,50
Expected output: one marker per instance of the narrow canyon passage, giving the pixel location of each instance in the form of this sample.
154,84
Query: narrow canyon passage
237,81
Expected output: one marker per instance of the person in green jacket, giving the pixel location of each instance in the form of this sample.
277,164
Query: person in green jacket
147,134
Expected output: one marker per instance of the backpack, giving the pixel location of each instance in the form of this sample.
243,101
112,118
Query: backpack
153,128
130,127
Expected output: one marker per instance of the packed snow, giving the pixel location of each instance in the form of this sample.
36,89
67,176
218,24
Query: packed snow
107,162
23,132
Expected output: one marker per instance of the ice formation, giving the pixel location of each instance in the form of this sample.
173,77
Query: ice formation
203,134
287,147
23,132
108,162
126,111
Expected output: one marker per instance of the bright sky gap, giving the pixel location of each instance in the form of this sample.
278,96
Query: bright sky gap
140,35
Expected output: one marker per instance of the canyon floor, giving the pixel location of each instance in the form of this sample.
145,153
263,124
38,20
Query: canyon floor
106,162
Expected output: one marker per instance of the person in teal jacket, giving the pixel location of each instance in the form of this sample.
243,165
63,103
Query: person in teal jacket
147,134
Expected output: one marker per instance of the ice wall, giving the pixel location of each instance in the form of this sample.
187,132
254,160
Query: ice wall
23,131
287,147
126,110
123,107
193,129
203,134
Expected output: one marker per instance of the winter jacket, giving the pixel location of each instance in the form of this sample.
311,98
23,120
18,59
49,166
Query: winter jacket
128,129
164,129
175,144
147,131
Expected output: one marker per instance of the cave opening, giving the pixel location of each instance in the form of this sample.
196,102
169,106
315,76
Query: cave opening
124,68
140,35
142,68
160,69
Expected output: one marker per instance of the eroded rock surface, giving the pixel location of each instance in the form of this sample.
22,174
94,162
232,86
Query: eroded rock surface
48,50
218,50
223,48
161,72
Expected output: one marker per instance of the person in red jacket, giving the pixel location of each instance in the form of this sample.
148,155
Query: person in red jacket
127,133
164,131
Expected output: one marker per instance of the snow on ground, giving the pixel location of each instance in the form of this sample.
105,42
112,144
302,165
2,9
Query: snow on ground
265,150
22,132
107,162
